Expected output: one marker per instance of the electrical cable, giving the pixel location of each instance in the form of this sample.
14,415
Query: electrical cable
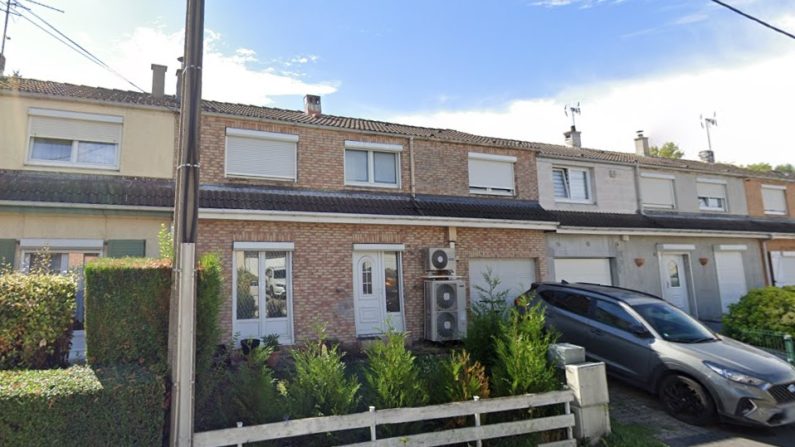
750,17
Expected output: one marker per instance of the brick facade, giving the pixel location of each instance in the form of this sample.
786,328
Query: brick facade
753,193
440,167
323,264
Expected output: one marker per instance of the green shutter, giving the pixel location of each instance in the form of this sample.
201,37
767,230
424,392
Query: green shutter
8,248
121,248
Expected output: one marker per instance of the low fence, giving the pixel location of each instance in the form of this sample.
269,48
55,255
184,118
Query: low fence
779,343
374,418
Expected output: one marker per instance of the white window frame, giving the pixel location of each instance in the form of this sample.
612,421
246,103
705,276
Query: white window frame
370,149
724,199
775,188
80,116
265,136
673,190
588,185
493,190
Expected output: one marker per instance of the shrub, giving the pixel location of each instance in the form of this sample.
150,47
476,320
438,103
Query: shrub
765,309
522,365
127,309
432,371
485,321
79,406
394,380
465,378
208,337
320,386
36,313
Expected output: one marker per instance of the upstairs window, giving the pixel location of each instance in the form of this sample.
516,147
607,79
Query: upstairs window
372,164
572,185
491,174
711,195
657,191
74,139
254,153
774,199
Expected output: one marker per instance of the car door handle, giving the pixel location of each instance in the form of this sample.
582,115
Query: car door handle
597,331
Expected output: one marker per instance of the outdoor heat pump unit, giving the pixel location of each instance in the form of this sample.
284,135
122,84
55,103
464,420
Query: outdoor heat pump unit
442,258
445,310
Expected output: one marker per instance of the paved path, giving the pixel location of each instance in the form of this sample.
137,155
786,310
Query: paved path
632,406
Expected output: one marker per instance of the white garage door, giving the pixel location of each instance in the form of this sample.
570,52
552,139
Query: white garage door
516,276
593,270
783,265
731,277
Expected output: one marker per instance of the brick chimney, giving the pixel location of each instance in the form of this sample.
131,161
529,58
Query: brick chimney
707,156
642,144
178,94
573,137
158,80
312,105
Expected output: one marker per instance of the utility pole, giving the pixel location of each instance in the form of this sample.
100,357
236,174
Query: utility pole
182,314
5,37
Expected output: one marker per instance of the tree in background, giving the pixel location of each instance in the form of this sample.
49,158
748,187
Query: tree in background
759,167
787,168
667,150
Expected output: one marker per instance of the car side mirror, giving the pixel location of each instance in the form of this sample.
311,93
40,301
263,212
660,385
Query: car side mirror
641,331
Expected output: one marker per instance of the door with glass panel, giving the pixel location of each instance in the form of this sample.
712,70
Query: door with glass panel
378,292
263,295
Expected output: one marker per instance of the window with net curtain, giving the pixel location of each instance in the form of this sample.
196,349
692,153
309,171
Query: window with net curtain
74,139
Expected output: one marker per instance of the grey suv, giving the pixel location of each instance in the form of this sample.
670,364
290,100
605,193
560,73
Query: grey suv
696,373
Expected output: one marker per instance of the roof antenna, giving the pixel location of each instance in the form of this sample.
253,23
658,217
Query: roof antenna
575,110
706,123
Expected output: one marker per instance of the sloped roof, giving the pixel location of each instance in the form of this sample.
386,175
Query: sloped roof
51,88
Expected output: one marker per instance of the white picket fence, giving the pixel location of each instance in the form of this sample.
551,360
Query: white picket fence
374,418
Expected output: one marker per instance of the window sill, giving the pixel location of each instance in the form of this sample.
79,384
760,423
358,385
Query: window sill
659,207
492,193
37,163
775,213
580,202
259,177
713,210
373,185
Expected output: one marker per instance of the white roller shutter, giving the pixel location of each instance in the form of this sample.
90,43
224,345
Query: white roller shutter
657,192
75,129
711,190
261,154
783,265
516,276
731,277
491,174
774,200
591,270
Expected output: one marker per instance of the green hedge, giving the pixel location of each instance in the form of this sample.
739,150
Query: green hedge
765,309
80,406
127,302
36,312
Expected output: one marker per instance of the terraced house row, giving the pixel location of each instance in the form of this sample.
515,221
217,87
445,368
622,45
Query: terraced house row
362,225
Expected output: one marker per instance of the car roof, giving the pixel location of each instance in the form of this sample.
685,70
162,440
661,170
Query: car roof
628,296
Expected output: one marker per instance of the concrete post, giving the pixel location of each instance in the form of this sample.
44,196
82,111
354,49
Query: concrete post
588,381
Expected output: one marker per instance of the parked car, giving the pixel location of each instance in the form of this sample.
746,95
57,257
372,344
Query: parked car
696,373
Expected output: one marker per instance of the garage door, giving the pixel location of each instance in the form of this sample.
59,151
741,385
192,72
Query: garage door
783,265
593,270
731,277
516,276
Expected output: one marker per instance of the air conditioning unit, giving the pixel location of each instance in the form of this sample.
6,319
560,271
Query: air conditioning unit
445,310
442,258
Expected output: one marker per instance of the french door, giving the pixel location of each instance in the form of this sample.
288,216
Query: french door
263,295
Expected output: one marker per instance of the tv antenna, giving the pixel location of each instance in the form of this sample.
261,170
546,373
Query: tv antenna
706,123
574,110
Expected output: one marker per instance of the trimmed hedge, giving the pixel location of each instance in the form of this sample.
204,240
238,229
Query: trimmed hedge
36,312
80,406
765,309
127,302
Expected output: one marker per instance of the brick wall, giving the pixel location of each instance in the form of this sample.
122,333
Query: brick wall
440,168
753,193
323,264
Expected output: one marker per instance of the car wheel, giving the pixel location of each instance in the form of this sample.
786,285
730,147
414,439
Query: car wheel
686,400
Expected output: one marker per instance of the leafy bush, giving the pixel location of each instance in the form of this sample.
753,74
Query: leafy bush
465,378
127,308
394,380
79,406
522,365
485,320
764,309
208,337
36,313
432,371
320,386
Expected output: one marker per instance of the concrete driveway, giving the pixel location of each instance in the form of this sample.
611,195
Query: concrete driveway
632,406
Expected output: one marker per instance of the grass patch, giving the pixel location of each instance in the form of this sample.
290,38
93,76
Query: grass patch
630,435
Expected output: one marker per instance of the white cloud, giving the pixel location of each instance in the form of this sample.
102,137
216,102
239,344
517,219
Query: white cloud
235,76
753,104
583,4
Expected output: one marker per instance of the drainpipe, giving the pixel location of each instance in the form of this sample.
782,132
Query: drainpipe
638,198
769,280
413,184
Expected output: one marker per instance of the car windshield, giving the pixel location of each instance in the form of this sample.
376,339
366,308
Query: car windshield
672,324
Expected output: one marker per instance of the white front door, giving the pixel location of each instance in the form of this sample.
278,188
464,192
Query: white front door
378,293
263,295
674,281
731,277
591,270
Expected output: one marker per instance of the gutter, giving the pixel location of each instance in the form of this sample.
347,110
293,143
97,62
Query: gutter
652,232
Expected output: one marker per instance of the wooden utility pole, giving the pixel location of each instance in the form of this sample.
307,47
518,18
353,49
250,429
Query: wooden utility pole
182,317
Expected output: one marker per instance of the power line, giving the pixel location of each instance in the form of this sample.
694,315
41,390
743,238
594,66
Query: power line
69,42
750,17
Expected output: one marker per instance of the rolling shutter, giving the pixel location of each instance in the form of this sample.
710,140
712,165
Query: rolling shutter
261,154
657,192
8,249
75,129
121,248
491,174
716,190
774,200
